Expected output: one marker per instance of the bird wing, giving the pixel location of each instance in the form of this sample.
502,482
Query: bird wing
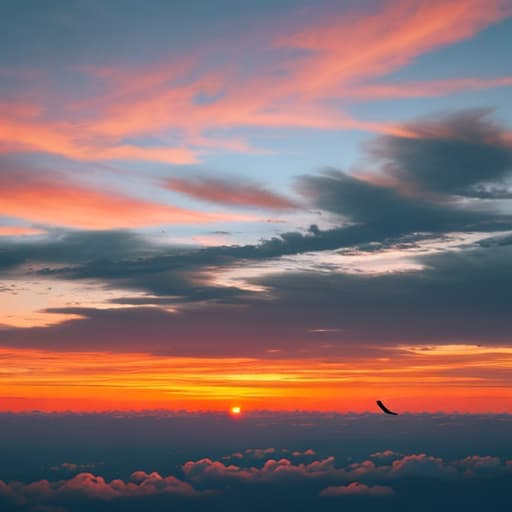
385,409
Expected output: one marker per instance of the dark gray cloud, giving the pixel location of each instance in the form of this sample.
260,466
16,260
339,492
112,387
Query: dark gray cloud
75,248
388,212
453,155
458,297
438,160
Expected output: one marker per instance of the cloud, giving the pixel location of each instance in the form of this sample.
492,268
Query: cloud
386,40
93,487
378,213
73,468
306,453
383,212
420,465
358,489
230,192
20,231
466,292
42,197
214,473
348,438
455,155
420,180
412,89
288,90
77,248
207,471
376,208
476,465
411,476
62,138
260,453
385,457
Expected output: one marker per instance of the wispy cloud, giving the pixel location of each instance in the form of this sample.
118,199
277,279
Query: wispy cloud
20,230
287,91
231,192
42,197
415,378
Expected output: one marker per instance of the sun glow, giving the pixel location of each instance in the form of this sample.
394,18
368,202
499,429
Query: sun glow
415,379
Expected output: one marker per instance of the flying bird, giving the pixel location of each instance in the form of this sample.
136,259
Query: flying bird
385,409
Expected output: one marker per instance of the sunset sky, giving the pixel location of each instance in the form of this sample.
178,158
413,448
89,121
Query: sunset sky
228,228
279,205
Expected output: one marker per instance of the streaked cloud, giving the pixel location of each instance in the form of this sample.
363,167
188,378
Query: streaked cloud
418,379
20,231
230,192
281,92
42,197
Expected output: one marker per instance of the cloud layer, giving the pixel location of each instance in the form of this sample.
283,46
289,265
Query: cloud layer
207,479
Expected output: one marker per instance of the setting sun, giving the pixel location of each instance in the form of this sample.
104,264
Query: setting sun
236,410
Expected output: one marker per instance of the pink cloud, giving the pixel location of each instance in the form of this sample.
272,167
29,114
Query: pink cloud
260,453
231,193
209,471
429,88
421,465
50,199
358,489
96,487
213,473
476,465
19,231
81,142
386,456
305,453
345,54
385,40
358,479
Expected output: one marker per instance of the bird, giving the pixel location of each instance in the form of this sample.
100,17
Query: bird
385,409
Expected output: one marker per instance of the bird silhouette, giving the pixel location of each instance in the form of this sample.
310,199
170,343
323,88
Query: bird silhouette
385,409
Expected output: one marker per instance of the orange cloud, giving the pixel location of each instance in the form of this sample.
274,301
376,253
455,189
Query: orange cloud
349,48
231,193
49,200
80,143
430,88
344,54
380,44
19,231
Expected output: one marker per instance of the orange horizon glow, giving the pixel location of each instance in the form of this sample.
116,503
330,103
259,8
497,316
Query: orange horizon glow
417,381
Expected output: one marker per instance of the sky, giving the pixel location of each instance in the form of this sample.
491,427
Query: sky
228,228
285,205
